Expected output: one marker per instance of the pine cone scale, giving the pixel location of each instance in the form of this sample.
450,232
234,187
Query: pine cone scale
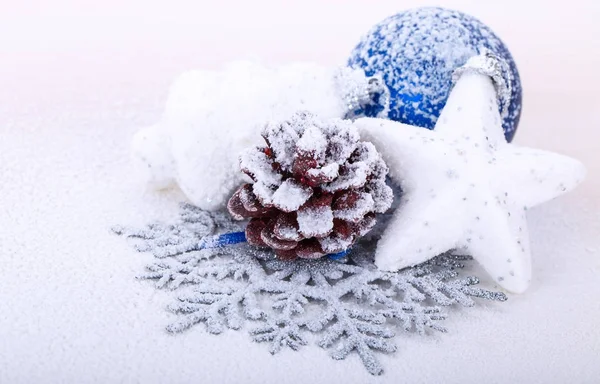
268,236
286,227
254,230
310,249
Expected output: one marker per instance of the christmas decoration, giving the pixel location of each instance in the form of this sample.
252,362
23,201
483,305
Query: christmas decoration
416,52
349,307
211,116
464,186
316,188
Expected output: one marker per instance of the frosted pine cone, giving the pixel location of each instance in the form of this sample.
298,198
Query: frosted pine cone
316,188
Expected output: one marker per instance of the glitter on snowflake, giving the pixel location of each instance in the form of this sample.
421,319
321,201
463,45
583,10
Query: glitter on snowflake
348,306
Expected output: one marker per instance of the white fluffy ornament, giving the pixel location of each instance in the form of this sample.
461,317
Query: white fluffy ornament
212,116
464,186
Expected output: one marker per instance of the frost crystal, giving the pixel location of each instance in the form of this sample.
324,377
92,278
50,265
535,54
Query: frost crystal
347,306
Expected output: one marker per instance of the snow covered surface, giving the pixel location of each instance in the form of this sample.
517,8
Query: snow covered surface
73,96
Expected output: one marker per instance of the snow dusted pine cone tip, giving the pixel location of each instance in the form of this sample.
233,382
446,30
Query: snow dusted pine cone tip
316,189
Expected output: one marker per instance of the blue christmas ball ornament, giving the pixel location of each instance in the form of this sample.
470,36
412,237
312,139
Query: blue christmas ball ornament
416,52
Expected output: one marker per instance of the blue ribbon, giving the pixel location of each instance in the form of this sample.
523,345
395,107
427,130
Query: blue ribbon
221,241
233,238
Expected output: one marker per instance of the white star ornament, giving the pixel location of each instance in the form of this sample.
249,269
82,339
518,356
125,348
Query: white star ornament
464,187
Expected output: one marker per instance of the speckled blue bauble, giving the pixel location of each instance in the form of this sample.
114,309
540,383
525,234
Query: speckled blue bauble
416,52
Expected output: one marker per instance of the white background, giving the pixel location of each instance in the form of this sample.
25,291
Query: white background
126,43
78,78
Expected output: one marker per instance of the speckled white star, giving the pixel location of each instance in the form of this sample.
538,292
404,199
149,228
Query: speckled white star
465,187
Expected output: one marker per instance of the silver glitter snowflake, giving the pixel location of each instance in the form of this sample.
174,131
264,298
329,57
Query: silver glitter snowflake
348,305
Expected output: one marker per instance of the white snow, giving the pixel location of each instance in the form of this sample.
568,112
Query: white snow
291,195
71,309
259,165
330,171
315,221
152,158
313,141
